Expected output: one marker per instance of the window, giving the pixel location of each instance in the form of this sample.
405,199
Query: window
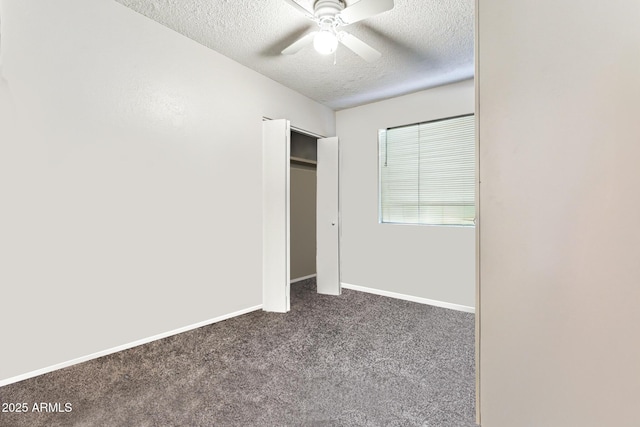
427,172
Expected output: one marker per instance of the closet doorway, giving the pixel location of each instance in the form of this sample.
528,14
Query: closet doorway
303,184
276,249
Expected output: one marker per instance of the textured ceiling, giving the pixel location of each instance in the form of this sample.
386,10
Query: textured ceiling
424,43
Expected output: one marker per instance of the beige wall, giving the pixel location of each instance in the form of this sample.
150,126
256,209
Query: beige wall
559,91
303,221
429,262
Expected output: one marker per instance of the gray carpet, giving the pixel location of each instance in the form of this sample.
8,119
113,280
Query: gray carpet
353,360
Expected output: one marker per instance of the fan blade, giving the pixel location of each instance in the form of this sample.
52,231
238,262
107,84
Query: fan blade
301,9
364,9
303,41
359,47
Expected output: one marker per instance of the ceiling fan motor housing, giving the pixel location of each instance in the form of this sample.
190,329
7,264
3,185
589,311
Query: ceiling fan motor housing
326,10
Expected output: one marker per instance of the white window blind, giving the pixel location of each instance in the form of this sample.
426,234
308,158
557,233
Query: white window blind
427,172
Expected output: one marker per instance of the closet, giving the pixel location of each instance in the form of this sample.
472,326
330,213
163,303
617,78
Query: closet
303,205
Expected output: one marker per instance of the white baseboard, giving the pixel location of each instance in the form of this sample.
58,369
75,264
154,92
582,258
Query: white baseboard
300,279
411,298
127,346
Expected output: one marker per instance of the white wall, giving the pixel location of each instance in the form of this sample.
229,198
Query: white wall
130,180
436,263
559,245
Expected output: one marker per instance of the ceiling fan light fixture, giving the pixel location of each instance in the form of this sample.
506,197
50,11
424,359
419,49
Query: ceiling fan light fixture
325,42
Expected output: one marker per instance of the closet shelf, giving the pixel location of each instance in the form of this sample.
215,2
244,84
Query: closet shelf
301,160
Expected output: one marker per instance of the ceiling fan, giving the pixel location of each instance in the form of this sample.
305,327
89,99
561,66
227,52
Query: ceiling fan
329,15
